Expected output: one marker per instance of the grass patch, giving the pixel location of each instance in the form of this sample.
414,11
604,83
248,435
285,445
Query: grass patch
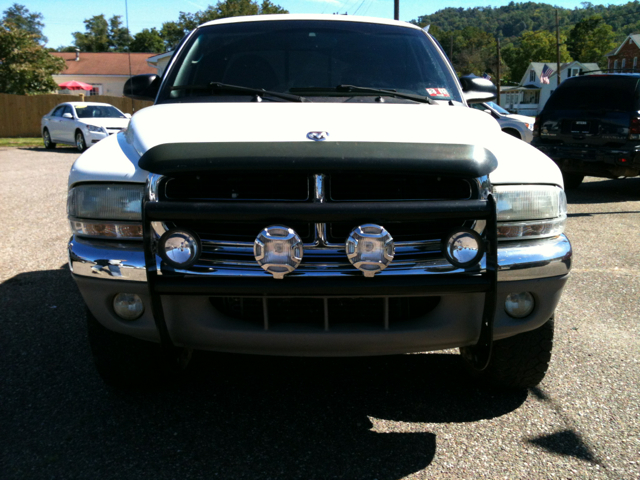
21,142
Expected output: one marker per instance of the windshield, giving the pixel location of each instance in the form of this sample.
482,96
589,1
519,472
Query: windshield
498,108
310,58
596,92
98,111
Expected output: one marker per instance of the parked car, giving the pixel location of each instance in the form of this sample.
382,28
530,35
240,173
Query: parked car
81,124
519,126
316,186
591,126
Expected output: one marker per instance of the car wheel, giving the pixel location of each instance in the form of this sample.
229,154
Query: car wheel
572,180
516,362
46,137
81,145
126,362
513,133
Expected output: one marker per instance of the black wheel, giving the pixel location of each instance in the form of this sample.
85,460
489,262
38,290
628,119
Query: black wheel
516,362
127,362
81,145
46,137
513,133
572,180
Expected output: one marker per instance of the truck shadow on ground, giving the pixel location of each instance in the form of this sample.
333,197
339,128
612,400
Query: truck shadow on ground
603,190
230,415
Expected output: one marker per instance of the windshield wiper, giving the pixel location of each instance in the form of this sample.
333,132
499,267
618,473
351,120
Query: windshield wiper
385,92
225,87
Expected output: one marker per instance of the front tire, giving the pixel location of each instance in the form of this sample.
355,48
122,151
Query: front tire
516,362
126,362
46,137
81,144
572,180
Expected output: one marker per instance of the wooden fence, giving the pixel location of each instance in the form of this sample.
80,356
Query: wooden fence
20,115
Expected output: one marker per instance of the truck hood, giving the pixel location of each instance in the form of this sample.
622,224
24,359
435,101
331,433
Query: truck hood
291,122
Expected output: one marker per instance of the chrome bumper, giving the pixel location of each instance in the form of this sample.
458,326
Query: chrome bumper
526,260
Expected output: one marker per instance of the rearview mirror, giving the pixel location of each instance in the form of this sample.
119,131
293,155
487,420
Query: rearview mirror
142,87
67,115
477,89
128,115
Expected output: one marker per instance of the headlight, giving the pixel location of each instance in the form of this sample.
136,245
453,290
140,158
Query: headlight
530,211
93,128
90,204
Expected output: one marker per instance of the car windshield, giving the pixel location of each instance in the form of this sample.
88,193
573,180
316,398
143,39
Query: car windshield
310,58
98,111
498,108
597,92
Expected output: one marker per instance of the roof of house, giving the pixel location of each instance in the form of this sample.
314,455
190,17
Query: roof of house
105,63
633,36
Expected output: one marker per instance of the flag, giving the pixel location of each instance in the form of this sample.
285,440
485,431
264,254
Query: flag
546,73
486,75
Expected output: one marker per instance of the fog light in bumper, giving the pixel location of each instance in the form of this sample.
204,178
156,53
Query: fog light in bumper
519,305
128,306
370,248
179,248
463,248
278,250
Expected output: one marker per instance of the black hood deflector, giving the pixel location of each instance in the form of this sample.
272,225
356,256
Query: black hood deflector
467,161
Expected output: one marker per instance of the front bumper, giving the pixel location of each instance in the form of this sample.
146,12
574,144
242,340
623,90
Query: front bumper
594,161
103,269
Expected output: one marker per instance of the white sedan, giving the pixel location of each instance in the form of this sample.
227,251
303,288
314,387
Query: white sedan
519,126
81,124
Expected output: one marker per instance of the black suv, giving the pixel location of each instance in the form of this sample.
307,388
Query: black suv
591,126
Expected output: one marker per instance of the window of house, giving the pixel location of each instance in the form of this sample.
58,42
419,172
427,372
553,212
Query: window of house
635,63
532,76
615,66
574,72
624,63
97,89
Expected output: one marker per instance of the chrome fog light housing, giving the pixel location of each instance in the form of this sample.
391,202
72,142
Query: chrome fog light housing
278,250
179,248
128,306
463,248
370,248
519,305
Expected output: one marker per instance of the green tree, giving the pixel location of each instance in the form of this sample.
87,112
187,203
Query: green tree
173,32
119,37
537,46
96,36
590,40
20,16
147,41
26,68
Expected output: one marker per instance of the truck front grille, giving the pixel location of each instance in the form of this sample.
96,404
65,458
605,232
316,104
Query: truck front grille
229,244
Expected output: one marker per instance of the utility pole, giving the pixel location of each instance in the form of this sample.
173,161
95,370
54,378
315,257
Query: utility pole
557,49
498,69
396,9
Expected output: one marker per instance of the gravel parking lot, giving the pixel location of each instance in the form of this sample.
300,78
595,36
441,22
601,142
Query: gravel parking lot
413,416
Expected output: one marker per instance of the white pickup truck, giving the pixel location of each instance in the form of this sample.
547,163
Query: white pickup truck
316,186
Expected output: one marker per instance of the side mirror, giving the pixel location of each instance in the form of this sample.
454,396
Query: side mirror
142,87
128,115
477,89
67,115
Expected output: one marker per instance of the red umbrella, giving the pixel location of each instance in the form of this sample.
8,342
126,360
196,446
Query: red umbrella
73,85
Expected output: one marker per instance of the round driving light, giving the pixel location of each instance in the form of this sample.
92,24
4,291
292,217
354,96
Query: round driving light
179,248
278,250
128,306
519,305
463,248
370,249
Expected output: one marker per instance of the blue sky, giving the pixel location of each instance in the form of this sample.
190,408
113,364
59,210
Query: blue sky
62,17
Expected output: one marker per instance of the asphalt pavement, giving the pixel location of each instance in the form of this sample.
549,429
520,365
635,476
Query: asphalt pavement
231,416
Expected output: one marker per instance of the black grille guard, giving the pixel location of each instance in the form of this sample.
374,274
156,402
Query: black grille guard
357,286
